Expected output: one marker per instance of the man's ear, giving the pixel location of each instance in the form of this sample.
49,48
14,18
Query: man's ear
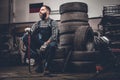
47,12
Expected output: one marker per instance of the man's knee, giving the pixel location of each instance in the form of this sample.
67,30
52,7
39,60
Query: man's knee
52,48
25,39
52,44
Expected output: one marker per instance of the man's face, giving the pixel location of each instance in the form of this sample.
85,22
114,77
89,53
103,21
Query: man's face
43,13
43,10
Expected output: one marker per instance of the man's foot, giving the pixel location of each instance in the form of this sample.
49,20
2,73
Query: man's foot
46,73
39,69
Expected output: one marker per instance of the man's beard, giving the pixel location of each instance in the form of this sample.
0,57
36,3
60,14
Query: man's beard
43,16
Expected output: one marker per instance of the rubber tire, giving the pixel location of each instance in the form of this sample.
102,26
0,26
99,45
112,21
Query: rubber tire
15,59
71,26
83,35
115,44
5,51
83,55
5,38
60,53
81,67
74,16
66,47
73,7
4,29
111,10
66,39
5,46
113,37
57,65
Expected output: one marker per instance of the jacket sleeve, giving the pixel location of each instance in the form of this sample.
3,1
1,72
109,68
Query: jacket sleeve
34,27
54,35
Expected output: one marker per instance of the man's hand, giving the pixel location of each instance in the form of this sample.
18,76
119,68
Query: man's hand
47,42
27,29
43,47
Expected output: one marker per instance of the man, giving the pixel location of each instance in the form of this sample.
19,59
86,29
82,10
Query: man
43,34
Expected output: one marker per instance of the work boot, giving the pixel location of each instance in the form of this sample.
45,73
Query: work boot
40,68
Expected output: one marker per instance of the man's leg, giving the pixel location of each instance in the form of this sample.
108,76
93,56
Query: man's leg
40,63
33,46
50,53
46,57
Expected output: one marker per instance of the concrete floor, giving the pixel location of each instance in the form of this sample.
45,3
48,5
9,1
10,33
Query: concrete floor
22,73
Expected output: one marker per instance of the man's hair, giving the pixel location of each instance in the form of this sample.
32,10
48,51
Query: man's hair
47,7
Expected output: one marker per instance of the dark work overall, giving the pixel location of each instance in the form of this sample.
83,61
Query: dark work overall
48,55
42,35
39,36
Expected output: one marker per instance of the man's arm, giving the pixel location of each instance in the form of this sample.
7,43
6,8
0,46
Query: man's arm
54,32
33,28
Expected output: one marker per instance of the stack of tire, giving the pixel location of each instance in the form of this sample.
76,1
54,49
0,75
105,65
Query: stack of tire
73,15
111,14
7,57
105,58
111,22
111,28
76,39
69,23
5,46
83,58
4,50
111,10
57,64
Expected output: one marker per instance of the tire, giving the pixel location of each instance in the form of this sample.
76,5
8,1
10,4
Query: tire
74,16
113,37
113,31
60,53
57,65
5,51
66,39
84,39
66,47
115,44
4,29
4,38
68,27
83,56
15,59
111,10
5,46
73,7
81,67
110,22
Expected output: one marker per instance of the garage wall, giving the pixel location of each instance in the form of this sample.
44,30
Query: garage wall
4,11
94,23
21,9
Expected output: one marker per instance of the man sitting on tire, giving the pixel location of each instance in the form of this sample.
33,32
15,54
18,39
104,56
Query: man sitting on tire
44,37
